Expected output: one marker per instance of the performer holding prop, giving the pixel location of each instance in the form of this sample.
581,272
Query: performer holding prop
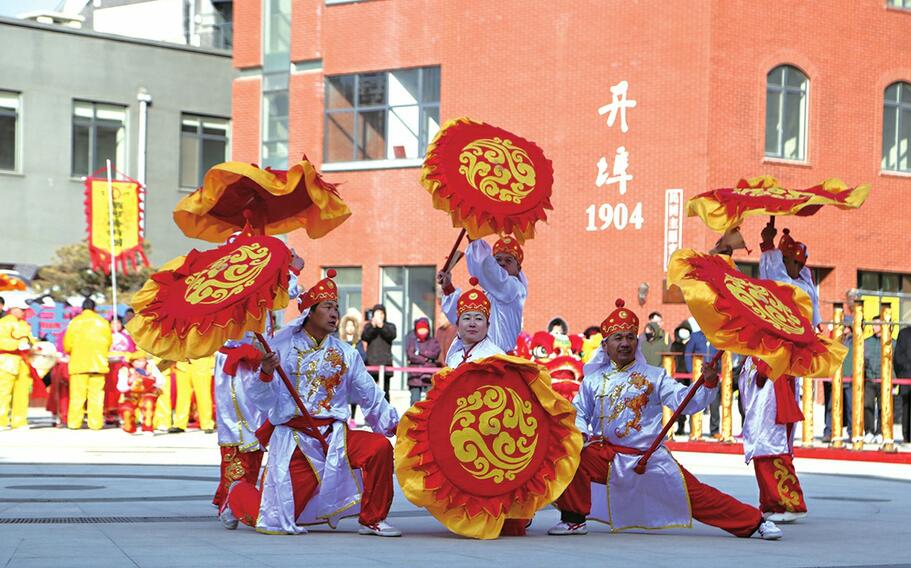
619,409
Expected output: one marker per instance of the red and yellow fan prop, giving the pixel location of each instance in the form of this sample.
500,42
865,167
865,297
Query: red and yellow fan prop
725,208
277,202
489,180
759,318
195,303
491,442
9,283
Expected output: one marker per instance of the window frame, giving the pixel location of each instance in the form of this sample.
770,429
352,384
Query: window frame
199,138
781,91
356,109
17,115
282,77
93,138
902,114
900,5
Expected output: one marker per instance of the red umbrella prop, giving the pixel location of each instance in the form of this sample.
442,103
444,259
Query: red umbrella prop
725,208
490,181
9,283
759,318
492,441
277,202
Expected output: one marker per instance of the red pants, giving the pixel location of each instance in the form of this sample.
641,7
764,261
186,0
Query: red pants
236,466
369,452
132,406
709,505
779,488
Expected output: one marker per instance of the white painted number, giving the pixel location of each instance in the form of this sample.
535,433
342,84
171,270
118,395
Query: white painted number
601,217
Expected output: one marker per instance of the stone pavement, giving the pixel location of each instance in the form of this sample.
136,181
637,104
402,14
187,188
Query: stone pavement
108,499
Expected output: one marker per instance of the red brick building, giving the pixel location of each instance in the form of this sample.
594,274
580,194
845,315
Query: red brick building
712,104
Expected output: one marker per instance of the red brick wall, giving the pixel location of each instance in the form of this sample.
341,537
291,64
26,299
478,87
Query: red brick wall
248,33
697,71
245,103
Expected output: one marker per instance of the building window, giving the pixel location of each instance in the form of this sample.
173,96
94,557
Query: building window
276,69
897,128
409,293
786,113
9,131
348,282
887,283
203,143
903,4
384,115
99,133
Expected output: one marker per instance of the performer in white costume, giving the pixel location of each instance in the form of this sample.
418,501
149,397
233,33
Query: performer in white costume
619,409
499,272
302,485
771,410
236,417
473,341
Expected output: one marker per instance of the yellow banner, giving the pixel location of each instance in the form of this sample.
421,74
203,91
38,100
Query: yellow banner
126,216
873,309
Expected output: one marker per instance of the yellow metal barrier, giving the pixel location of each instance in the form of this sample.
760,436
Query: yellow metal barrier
696,418
837,387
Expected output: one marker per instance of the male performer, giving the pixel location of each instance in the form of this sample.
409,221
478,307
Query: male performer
237,419
303,485
473,341
771,409
618,411
500,273
88,342
15,372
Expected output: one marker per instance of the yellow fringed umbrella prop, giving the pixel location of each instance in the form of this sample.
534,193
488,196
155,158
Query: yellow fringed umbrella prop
761,318
489,180
10,283
492,441
726,208
274,201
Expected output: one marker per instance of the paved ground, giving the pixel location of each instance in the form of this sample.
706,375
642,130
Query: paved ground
107,499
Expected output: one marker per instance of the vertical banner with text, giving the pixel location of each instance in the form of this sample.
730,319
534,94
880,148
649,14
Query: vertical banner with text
128,216
673,222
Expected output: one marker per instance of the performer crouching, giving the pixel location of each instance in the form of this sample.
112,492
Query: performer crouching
302,485
618,410
472,319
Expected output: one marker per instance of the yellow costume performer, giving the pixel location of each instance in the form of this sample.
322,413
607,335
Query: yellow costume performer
15,376
88,341
195,376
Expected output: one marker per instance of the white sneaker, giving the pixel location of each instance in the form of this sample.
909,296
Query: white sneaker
228,520
878,439
785,517
868,438
563,529
768,531
381,528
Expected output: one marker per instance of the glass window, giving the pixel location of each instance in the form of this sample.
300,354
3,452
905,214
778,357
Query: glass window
9,131
348,281
904,4
275,120
381,115
409,293
99,133
203,143
786,113
277,34
897,128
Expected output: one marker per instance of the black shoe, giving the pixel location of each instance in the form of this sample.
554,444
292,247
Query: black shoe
175,430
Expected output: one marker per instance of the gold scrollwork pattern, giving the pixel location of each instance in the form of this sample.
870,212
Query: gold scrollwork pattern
788,499
500,413
764,304
498,169
776,192
228,275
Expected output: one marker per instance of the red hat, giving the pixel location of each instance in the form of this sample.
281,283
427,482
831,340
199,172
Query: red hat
791,248
421,324
620,320
323,291
510,246
473,300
